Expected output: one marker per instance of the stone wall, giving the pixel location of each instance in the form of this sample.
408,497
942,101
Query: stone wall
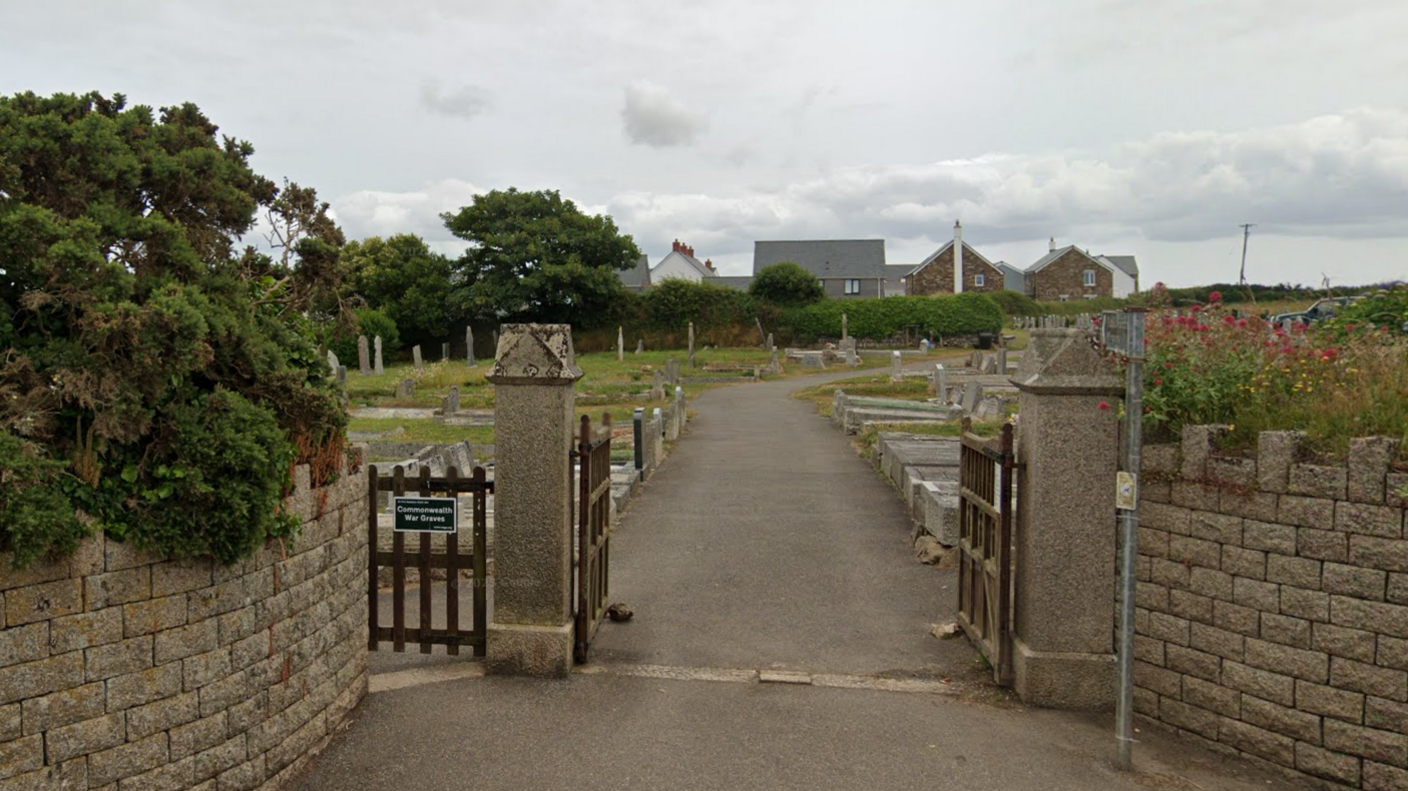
1065,277
1272,605
937,277
121,670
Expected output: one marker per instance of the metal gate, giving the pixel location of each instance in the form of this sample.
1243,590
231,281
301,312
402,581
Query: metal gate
593,456
985,601
451,559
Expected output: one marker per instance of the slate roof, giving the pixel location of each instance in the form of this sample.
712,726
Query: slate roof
968,248
826,258
637,276
1125,263
1055,254
737,282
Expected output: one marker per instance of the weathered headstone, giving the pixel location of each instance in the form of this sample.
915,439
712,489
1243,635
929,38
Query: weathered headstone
813,360
1002,361
469,344
415,355
445,351
620,343
406,389
380,369
451,404
657,386
772,347
364,357
332,361
342,377
941,383
895,373
972,394
691,344
989,364
774,366
924,346
640,345
761,334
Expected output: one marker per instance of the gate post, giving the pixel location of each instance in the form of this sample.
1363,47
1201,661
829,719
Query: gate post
1067,447
531,632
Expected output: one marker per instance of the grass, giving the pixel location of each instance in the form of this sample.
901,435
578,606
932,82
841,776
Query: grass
867,439
426,432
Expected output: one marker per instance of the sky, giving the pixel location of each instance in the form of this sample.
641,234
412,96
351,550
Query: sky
1152,129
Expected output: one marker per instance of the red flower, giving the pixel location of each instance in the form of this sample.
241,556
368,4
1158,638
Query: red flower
1103,406
1158,382
1215,297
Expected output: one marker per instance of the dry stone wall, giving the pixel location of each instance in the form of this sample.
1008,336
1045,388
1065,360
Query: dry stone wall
120,670
1272,605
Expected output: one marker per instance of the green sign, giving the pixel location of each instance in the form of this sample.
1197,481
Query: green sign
425,514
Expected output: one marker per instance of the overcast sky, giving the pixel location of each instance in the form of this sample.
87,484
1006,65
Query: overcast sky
1122,126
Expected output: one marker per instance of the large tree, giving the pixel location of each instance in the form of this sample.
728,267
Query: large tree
152,378
786,284
534,256
403,278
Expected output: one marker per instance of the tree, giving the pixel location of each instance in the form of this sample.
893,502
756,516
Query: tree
534,256
403,278
786,284
150,378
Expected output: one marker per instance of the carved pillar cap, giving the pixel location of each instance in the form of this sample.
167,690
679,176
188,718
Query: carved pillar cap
1063,361
535,354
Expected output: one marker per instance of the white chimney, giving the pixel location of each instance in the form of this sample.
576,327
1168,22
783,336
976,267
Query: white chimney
1052,248
957,257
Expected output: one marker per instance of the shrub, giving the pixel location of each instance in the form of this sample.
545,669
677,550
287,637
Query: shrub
1015,303
674,303
371,323
886,317
786,284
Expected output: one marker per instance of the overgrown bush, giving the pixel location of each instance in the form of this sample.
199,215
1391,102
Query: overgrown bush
152,378
371,323
885,317
786,284
1015,303
674,303
1386,310
1332,383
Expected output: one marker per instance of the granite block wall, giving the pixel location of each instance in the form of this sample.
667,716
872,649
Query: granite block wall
122,670
1272,605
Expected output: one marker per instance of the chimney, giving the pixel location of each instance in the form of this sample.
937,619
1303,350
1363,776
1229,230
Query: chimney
1052,249
676,246
957,257
689,251
709,264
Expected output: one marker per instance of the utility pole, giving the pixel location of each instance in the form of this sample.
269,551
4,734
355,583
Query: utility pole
1246,233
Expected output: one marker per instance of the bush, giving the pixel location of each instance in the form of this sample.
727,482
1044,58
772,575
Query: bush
371,323
1015,303
154,380
674,303
886,317
786,284
1386,310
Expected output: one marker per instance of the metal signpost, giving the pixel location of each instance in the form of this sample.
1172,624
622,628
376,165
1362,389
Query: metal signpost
425,514
1123,334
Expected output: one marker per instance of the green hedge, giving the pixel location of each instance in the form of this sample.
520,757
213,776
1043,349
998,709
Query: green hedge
885,317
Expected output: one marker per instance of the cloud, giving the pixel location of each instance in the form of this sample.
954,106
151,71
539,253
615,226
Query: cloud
373,213
464,101
654,117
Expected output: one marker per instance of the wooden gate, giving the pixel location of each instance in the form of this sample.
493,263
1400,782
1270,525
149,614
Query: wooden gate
985,599
593,457
451,559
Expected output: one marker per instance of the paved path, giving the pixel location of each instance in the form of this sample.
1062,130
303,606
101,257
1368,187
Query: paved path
763,543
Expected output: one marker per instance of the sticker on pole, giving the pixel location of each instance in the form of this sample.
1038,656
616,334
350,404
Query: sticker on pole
425,514
1126,491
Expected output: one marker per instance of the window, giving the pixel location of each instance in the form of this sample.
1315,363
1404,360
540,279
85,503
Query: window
852,287
980,280
1090,278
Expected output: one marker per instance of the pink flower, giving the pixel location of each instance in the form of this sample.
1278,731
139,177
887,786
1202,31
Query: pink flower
1215,297
1103,406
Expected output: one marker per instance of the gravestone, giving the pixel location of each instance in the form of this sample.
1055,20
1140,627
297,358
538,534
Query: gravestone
657,386
620,344
415,355
772,347
895,373
451,404
924,346
691,344
406,389
774,367
1002,361
379,368
469,344
762,335
989,408
364,357
640,345
845,327
941,383
445,351
342,378
972,394
989,364
333,362
813,360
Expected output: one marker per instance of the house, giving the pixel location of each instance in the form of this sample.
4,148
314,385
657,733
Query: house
682,264
637,278
1127,265
847,268
935,274
1013,279
1073,273
895,275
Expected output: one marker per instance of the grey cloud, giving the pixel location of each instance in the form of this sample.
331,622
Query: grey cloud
654,117
464,101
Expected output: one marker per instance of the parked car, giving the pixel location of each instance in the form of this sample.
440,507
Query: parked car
1322,309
